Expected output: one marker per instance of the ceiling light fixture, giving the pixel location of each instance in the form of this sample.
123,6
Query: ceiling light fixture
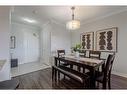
73,24
29,20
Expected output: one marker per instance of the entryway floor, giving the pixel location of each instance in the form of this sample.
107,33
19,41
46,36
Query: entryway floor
27,68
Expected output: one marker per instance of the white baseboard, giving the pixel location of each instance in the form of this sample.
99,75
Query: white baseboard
119,74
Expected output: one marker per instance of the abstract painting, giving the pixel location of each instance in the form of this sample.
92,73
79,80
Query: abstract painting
106,40
87,40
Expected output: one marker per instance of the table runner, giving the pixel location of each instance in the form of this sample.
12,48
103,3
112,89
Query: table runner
91,60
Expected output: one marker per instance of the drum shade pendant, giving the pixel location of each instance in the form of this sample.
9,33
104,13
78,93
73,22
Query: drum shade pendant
73,24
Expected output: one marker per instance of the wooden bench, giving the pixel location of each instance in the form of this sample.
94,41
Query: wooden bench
73,74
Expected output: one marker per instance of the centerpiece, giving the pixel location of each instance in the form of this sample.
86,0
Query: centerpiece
76,49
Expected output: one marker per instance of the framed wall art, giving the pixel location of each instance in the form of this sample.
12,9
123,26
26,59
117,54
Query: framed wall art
106,40
87,40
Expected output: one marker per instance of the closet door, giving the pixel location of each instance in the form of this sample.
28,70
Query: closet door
31,47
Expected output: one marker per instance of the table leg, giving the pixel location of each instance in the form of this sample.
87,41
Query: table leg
55,61
71,66
55,71
92,80
79,68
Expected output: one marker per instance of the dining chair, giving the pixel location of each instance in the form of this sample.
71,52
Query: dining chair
104,77
82,53
95,54
61,53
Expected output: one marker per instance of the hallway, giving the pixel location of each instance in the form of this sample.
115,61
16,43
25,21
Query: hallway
27,68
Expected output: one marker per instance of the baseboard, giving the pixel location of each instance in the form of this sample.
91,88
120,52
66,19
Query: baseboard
119,74
49,65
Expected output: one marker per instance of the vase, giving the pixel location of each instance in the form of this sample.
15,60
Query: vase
77,54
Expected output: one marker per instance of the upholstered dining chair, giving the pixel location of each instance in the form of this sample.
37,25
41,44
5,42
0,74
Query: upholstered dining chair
61,53
104,77
82,53
95,54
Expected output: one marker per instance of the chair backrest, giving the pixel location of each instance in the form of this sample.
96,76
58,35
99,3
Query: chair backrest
82,53
94,54
61,53
108,66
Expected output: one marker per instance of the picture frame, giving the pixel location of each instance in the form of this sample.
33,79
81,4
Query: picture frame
12,44
106,39
87,40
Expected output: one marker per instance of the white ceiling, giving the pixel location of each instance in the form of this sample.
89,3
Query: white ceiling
62,14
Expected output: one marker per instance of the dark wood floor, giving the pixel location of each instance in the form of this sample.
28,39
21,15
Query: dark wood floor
42,80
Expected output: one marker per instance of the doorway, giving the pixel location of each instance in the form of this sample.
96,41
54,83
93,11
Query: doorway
26,50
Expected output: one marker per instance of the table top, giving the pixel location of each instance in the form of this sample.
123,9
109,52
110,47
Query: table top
83,61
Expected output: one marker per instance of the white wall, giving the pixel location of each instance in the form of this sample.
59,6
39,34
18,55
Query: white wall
4,42
46,44
53,37
118,20
27,45
60,38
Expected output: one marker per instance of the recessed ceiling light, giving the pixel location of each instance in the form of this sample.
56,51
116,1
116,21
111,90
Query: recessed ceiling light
29,20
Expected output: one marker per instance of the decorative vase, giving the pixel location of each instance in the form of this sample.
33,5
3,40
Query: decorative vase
77,54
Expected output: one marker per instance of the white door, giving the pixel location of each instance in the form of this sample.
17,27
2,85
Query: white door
31,47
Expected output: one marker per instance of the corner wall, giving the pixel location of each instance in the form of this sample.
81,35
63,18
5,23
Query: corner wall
53,37
60,38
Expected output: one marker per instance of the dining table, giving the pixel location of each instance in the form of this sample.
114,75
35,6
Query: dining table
85,62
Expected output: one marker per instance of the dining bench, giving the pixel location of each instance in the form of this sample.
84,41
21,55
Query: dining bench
72,74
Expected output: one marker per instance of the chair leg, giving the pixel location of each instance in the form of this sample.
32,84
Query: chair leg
64,76
84,70
109,81
52,73
58,77
17,86
55,74
86,83
83,85
97,84
79,68
104,85
109,84
71,66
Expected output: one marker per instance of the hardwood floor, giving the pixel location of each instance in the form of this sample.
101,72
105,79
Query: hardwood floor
42,80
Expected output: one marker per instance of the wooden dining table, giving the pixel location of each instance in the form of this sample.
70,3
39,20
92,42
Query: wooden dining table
89,63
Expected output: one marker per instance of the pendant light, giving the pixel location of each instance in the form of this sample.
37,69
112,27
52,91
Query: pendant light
73,24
